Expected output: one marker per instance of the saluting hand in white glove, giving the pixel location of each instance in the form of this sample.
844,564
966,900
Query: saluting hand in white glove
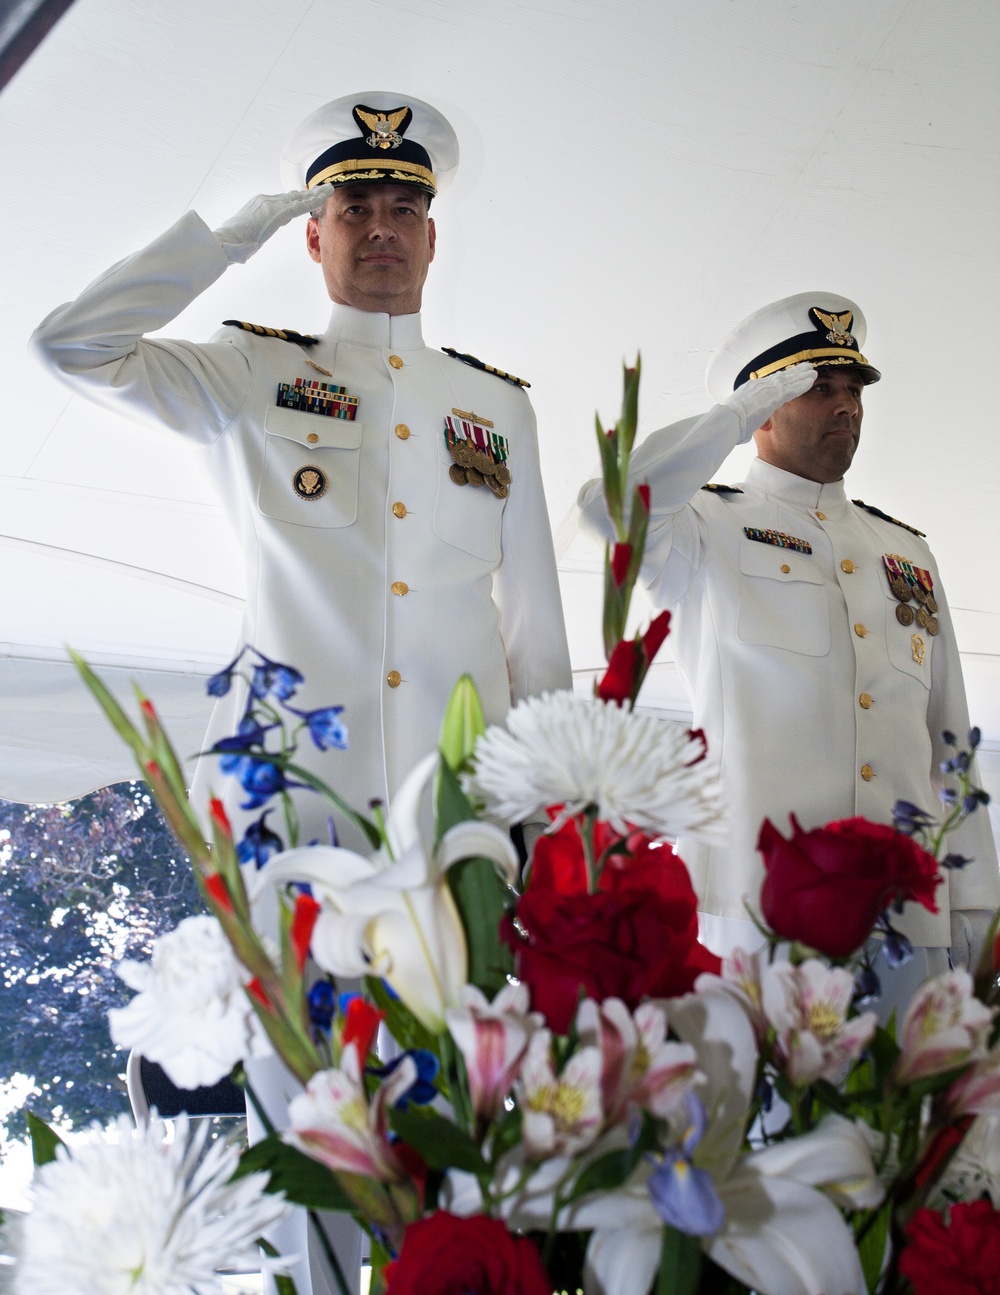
251,227
755,402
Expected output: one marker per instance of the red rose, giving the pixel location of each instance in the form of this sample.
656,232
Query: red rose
827,887
960,1257
446,1255
636,938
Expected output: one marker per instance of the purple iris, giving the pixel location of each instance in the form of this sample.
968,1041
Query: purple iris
682,1195
259,842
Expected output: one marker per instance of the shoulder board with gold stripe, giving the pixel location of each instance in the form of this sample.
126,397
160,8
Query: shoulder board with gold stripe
282,334
718,489
486,368
877,512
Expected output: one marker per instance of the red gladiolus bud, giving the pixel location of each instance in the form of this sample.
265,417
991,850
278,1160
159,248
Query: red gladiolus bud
256,991
653,638
361,1022
146,706
616,683
219,891
620,559
303,921
643,492
153,769
217,812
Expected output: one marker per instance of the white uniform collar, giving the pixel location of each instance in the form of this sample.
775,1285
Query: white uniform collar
369,328
796,490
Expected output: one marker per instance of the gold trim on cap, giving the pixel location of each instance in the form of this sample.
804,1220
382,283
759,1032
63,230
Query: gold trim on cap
357,169
821,355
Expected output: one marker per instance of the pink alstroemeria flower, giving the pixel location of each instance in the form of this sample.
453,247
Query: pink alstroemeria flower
807,1005
640,1067
740,976
562,1113
944,1026
977,1092
493,1040
333,1122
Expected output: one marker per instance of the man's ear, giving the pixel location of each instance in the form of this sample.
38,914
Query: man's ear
431,235
312,238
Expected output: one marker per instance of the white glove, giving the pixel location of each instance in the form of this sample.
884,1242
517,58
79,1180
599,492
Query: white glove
251,227
969,927
756,400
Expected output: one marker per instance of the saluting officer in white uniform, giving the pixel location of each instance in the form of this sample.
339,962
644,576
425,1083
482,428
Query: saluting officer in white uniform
387,496
369,566
811,630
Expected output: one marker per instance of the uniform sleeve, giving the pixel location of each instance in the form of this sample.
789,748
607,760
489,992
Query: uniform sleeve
96,343
676,461
978,884
526,587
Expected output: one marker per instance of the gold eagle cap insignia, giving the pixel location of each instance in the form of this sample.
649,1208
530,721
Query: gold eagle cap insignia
839,326
384,126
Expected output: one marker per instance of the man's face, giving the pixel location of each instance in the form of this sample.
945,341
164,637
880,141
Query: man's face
374,242
816,434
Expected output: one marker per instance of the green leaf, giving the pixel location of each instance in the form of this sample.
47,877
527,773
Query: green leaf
442,1144
400,1021
481,896
613,1169
43,1140
871,1246
680,1264
451,805
463,723
303,1180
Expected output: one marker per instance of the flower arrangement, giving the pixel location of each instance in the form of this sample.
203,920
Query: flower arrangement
579,1095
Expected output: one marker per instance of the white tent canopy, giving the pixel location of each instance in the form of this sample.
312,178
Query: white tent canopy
633,176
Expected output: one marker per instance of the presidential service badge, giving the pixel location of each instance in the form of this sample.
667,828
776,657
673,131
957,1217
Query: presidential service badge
310,482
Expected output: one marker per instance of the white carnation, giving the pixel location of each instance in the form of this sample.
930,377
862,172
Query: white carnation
125,1213
191,1014
578,751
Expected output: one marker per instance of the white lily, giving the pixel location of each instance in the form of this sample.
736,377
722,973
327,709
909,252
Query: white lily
393,915
782,1234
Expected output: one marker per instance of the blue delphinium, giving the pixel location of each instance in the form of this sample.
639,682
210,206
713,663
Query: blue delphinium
325,726
259,842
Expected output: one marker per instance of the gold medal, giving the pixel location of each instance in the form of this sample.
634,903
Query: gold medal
900,589
931,627
930,602
457,475
923,617
904,614
473,477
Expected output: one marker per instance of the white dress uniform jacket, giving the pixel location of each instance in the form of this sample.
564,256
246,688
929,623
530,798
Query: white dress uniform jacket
814,696
389,585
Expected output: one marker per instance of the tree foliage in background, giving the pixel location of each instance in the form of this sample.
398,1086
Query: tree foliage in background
82,885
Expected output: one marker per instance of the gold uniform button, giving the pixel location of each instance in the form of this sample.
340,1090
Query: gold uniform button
860,630
821,516
402,431
398,509
785,568
867,772
394,678
865,701
395,361
312,438
848,566
400,587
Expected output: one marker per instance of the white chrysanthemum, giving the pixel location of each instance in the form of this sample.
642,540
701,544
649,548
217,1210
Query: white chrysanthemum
128,1214
579,751
191,1014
